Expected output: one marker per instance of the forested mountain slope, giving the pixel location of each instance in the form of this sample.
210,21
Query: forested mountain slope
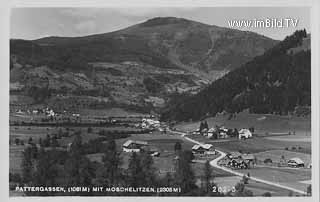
276,82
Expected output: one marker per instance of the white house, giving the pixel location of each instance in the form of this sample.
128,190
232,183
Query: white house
245,133
295,162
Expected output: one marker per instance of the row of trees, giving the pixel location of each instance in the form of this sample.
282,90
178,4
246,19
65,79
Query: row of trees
42,167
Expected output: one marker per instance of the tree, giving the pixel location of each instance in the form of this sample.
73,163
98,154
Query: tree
134,171
72,165
177,146
267,194
188,155
208,176
46,170
309,190
111,165
148,171
205,124
184,176
245,179
40,142
27,165
30,140
47,141
201,127
54,142
241,191
85,172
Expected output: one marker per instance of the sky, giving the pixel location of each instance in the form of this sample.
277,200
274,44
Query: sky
34,23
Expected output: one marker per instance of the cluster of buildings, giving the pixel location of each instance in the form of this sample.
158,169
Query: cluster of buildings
238,160
223,133
150,123
47,111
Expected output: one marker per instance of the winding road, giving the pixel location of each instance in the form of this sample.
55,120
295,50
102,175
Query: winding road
214,163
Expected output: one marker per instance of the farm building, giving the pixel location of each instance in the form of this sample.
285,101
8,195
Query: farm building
240,161
249,159
234,155
295,162
211,132
133,146
245,134
203,149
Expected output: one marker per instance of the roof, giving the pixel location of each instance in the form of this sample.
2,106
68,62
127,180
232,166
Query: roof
195,147
235,154
211,130
129,142
244,130
297,160
207,146
237,160
204,146
247,156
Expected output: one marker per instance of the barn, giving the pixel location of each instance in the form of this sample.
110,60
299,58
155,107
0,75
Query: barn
133,145
203,149
295,162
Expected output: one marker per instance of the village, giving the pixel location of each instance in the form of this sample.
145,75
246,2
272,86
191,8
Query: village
246,150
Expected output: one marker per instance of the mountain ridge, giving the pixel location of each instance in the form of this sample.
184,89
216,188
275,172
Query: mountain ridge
155,58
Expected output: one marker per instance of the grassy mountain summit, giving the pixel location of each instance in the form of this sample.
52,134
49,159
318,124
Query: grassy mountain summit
276,82
166,42
155,58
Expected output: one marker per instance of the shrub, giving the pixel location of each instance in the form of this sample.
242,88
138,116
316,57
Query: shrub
245,179
286,148
309,190
152,85
268,160
17,141
293,148
266,194
14,177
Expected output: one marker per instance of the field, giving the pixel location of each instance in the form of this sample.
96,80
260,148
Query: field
257,144
257,188
276,155
262,123
289,177
111,112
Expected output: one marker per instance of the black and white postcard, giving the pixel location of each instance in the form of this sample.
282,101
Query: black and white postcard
159,101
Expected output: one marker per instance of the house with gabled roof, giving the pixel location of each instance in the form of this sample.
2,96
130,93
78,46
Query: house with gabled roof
203,149
133,145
